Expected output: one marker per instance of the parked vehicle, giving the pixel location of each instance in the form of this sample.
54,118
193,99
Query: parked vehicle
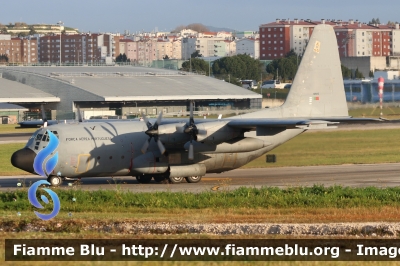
273,84
249,84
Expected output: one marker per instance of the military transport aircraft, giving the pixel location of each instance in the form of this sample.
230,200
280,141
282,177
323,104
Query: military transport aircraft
175,149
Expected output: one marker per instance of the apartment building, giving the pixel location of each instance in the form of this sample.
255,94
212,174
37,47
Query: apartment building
19,50
77,48
354,38
249,46
224,48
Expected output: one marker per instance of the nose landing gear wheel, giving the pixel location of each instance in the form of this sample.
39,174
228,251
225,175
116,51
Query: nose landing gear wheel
175,180
54,180
193,179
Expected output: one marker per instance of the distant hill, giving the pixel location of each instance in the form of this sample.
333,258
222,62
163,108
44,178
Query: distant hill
216,29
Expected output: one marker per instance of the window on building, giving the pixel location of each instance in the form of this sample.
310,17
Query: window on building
281,29
269,29
269,35
263,35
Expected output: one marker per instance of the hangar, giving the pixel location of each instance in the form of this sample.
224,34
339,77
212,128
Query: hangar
119,90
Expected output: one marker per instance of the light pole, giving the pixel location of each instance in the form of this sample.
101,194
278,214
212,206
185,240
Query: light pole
60,23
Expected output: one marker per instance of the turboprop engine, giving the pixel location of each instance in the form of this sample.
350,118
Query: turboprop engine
150,163
216,132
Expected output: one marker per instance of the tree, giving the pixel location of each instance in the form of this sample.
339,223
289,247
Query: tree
375,21
3,58
122,58
285,67
346,72
194,26
371,74
196,65
32,30
358,74
236,68
196,54
166,57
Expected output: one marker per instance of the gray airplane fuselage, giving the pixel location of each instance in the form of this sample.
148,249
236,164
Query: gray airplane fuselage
114,149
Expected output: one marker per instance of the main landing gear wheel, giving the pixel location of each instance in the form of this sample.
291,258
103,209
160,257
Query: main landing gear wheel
143,179
193,179
175,180
161,179
54,180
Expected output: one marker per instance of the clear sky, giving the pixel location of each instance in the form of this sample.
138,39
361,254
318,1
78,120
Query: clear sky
133,15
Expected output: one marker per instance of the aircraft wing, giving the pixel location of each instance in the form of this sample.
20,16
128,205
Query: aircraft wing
252,124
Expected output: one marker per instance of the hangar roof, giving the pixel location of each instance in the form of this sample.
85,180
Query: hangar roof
17,92
127,83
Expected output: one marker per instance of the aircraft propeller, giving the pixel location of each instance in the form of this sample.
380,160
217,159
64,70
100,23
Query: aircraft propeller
152,132
192,130
79,114
44,117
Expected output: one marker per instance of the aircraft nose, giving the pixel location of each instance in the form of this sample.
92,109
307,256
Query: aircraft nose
23,159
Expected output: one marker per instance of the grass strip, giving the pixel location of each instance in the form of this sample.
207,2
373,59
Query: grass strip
118,200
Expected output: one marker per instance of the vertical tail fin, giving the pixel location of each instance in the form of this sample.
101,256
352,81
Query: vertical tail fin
318,89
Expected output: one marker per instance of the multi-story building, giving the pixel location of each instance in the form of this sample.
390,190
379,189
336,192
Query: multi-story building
359,39
188,47
163,48
224,48
177,48
77,48
355,39
19,50
249,46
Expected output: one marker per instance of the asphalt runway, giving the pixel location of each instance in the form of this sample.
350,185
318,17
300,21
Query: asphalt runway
363,175
15,137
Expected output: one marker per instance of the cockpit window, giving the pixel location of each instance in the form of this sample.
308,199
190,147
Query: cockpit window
39,136
40,139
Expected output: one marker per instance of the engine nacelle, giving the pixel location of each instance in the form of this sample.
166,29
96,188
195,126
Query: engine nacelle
170,135
188,170
216,132
150,163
